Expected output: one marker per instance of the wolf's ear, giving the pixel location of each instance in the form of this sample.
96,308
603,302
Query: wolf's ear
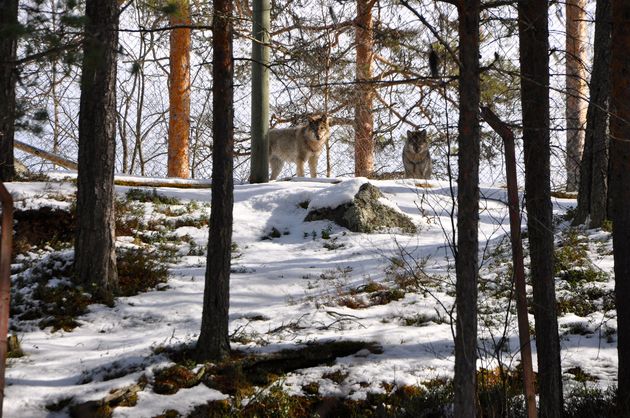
324,118
409,133
423,132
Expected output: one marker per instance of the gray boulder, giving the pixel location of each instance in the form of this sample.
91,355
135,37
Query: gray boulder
365,213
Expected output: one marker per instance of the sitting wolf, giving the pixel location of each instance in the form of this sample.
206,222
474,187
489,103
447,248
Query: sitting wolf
416,157
298,144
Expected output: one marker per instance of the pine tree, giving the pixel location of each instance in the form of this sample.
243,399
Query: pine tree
534,62
576,88
363,117
8,47
593,191
620,190
213,343
179,91
466,258
95,258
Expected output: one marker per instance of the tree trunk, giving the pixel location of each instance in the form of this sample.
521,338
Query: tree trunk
8,45
260,92
534,63
466,257
179,93
576,89
363,118
593,192
620,189
95,258
213,343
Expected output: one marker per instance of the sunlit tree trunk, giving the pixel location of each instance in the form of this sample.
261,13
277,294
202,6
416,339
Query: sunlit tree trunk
260,92
8,44
466,258
363,118
95,258
534,63
576,88
179,92
214,343
620,190
593,191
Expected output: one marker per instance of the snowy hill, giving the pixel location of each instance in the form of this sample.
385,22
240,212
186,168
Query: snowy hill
294,283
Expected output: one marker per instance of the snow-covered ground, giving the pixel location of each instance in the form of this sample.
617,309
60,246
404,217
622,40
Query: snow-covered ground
289,290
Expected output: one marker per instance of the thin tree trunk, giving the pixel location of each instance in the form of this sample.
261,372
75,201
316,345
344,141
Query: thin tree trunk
534,62
122,124
213,343
576,88
95,258
53,85
260,92
517,258
8,45
363,118
138,136
179,93
620,190
327,97
466,257
593,192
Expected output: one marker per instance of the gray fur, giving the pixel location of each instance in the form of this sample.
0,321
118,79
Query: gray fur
416,157
298,144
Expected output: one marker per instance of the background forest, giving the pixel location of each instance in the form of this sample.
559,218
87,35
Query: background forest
312,71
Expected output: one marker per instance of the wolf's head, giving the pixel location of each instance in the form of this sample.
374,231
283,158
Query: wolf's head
318,125
417,141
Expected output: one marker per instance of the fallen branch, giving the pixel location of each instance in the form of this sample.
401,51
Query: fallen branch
57,159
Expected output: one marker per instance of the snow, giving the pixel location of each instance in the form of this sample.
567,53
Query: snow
337,195
293,282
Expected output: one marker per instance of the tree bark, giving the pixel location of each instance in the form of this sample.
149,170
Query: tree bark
363,118
593,191
179,93
8,45
534,63
576,88
260,92
620,189
517,257
213,343
466,257
95,258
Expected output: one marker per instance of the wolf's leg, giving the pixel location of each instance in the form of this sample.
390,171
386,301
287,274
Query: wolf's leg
300,168
276,167
312,165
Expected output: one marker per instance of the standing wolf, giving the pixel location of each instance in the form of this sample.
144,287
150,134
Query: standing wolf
298,144
416,157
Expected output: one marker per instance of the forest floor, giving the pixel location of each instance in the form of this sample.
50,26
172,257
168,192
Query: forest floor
385,299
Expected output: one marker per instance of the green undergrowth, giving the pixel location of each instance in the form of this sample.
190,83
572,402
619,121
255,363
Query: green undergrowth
571,262
141,269
243,375
432,398
585,402
579,281
151,196
496,396
260,393
44,292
